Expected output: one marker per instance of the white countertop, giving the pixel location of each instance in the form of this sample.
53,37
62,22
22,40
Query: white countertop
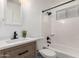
8,43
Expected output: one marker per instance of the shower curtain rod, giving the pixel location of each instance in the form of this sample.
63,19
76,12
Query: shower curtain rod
58,6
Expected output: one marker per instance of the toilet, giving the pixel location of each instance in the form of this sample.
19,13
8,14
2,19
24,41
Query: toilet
47,53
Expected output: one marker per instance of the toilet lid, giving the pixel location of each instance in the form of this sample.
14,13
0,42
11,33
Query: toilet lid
48,52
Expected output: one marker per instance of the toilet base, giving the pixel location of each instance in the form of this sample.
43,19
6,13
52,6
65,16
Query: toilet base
39,55
47,53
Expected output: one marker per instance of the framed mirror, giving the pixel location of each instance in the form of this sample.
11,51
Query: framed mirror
13,12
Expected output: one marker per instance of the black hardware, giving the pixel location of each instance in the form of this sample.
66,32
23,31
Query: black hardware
23,52
58,6
48,45
48,38
44,47
49,42
49,13
15,35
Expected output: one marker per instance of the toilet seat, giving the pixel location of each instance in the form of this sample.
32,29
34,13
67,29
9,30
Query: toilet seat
47,53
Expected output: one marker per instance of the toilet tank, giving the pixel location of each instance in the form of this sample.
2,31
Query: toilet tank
41,43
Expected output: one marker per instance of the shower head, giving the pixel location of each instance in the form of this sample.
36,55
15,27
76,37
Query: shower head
49,13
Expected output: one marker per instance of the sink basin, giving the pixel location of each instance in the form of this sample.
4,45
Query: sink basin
14,40
20,40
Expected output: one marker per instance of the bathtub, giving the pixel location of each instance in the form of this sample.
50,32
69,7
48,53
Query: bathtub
61,54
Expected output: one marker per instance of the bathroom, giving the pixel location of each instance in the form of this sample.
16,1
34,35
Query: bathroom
50,25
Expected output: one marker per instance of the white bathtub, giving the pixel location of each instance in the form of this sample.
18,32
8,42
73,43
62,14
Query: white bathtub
61,54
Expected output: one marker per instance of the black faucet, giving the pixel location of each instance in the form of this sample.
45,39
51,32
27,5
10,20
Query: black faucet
15,35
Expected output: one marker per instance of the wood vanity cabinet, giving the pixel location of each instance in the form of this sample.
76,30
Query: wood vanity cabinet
27,50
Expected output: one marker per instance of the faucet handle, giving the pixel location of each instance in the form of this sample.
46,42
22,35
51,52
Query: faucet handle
48,38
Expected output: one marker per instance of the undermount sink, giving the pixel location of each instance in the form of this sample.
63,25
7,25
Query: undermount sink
20,40
7,43
14,40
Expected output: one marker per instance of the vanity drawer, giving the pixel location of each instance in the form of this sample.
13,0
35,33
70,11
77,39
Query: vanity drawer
25,50
19,47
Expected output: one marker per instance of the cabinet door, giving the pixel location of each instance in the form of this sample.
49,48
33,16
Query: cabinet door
22,51
2,54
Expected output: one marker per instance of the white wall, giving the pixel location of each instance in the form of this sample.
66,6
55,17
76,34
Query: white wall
32,16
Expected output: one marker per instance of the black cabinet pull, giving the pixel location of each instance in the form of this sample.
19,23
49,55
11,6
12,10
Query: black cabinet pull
49,42
23,52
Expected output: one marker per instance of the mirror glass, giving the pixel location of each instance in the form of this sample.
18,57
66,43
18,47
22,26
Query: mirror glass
13,12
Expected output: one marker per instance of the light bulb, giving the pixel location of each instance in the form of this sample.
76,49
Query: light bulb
25,3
